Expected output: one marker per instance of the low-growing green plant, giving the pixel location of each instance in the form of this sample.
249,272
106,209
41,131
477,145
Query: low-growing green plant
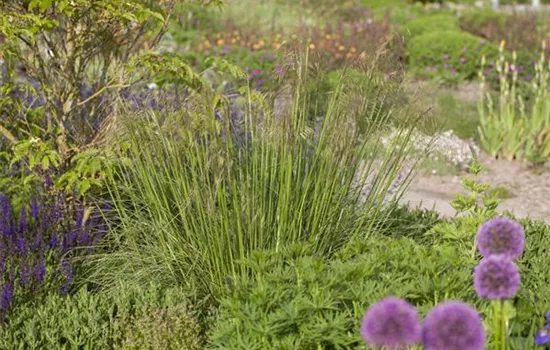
425,24
448,52
296,299
144,318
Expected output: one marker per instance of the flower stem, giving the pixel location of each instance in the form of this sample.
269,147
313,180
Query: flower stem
499,325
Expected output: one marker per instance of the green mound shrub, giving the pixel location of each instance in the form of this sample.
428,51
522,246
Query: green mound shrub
448,52
138,318
425,24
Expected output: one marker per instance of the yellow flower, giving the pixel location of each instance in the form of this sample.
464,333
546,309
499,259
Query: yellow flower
341,48
328,36
502,44
312,46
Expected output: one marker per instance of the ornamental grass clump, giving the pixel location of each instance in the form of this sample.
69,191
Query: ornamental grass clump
192,201
391,323
516,127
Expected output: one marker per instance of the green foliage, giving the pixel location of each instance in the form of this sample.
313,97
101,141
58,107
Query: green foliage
424,24
299,300
199,194
454,53
28,162
143,318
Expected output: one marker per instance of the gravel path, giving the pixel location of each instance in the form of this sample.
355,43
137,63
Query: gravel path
529,190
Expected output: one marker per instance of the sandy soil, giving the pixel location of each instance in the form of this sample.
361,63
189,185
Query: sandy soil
529,189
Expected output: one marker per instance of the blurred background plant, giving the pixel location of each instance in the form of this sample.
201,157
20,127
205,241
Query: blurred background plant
515,128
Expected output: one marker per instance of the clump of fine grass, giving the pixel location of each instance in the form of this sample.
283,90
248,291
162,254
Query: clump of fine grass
205,187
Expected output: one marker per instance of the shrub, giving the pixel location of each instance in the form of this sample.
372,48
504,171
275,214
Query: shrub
436,22
448,52
146,318
518,29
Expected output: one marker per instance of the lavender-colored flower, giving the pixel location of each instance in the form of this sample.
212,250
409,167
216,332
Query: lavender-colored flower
40,270
21,245
501,236
391,322
67,272
528,77
35,209
496,277
446,56
453,325
23,221
24,273
6,296
462,60
5,214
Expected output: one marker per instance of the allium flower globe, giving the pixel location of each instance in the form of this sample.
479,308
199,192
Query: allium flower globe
501,236
453,325
496,278
392,323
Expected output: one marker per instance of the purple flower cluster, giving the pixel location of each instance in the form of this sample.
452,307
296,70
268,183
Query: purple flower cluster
496,278
501,236
453,325
40,236
499,241
393,323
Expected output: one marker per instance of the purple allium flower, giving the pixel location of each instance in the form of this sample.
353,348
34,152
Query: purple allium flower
446,65
391,322
462,60
453,325
446,56
496,277
501,236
